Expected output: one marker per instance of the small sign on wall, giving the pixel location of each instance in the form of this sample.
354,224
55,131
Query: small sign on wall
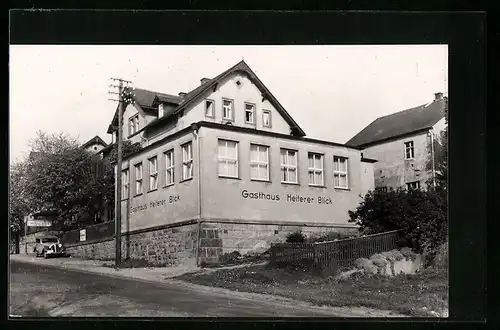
83,235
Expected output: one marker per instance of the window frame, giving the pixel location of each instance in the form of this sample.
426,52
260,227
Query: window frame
188,161
213,108
264,111
259,163
413,182
161,110
171,167
133,123
137,180
125,184
227,159
340,173
287,167
409,148
232,109
315,169
254,111
153,174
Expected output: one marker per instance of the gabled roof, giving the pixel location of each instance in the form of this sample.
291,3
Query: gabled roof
190,97
96,139
399,124
147,99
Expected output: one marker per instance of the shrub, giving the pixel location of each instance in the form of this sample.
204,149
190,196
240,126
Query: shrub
296,237
420,215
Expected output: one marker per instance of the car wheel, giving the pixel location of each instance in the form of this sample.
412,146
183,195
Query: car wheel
44,253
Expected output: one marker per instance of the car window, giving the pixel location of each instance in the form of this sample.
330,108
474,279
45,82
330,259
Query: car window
38,240
49,240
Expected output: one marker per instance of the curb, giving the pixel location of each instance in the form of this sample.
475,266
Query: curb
250,296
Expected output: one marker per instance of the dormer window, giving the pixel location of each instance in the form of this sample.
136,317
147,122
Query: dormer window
227,110
209,108
249,113
161,112
133,124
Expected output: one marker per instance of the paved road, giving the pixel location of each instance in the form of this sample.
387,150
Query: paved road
37,290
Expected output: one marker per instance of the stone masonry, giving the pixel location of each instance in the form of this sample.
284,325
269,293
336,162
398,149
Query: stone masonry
177,245
219,238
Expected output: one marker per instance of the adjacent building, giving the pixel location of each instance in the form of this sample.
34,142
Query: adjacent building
403,145
225,167
95,145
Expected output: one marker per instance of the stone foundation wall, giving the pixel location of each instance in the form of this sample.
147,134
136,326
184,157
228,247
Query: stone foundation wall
177,245
219,238
163,247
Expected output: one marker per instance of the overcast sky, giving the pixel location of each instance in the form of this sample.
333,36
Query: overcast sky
331,91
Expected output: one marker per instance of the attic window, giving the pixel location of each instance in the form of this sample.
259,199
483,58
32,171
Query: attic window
238,82
161,111
249,113
209,108
266,118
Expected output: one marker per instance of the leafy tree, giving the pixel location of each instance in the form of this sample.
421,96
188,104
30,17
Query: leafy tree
19,204
420,214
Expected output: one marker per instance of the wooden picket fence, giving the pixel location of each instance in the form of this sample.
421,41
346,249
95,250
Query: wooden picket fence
333,256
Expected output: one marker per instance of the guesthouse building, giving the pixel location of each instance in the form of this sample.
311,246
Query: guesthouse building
225,168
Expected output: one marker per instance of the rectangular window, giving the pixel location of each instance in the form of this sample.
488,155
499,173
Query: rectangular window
249,113
138,179
259,162
133,124
169,167
413,185
409,151
153,173
209,108
161,110
227,110
228,158
125,184
288,159
383,189
315,169
340,172
266,118
187,161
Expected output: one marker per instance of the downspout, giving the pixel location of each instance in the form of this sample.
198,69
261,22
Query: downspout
433,160
198,216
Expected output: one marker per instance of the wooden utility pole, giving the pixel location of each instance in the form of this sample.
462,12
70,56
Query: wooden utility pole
118,213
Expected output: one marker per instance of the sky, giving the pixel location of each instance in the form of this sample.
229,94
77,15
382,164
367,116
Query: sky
332,92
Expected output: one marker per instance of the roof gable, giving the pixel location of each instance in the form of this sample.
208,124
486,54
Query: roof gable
400,123
95,140
193,95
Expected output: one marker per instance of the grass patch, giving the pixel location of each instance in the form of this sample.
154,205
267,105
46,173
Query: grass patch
422,294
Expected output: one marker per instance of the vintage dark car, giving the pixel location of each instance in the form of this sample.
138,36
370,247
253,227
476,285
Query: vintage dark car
49,246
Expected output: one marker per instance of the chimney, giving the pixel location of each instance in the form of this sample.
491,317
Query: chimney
182,94
438,96
204,80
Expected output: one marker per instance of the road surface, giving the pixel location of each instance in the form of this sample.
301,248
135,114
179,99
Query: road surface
38,290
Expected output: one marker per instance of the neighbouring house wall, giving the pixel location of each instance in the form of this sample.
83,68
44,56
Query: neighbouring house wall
226,198
367,177
95,148
392,170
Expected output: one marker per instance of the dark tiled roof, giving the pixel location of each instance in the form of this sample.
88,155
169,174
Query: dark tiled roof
95,139
241,66
147,98
400,123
